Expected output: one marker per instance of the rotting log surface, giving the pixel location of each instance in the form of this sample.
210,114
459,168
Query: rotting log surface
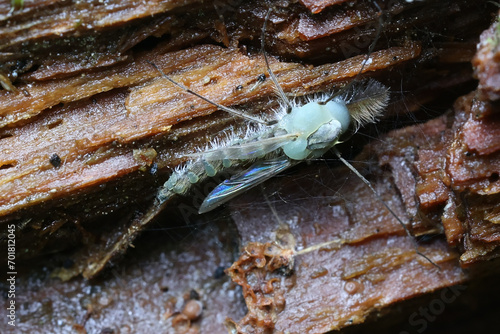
361,246
111,120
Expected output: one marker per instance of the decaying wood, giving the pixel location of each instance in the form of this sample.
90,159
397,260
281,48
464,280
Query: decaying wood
435,188
89,130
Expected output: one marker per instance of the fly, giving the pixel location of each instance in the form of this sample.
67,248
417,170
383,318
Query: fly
298,132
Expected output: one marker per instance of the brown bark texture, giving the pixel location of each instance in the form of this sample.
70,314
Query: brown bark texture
89,131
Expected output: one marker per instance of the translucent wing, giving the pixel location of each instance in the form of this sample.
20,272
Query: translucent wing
256,174
248,150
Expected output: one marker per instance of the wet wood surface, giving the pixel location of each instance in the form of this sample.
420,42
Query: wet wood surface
90,130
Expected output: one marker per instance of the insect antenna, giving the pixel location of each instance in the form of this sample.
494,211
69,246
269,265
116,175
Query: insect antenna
280,91
366,103
354,170
219,106
370,50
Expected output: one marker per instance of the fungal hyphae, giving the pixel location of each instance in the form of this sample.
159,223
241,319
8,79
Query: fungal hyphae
300,130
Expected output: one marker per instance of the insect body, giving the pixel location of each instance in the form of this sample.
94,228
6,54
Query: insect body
300,132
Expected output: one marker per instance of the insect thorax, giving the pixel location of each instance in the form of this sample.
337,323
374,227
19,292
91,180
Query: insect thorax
318,127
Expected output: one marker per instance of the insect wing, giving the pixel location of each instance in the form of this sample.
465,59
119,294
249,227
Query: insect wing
250,150
256,174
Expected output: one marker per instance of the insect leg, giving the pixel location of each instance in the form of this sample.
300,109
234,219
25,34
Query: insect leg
219,106
351,167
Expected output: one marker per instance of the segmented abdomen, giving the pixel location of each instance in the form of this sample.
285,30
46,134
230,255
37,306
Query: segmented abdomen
191,173
239,149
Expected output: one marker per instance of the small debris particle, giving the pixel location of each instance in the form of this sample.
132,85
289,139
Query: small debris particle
193,309
353,287
164,284
6,83
193,294
169,308
104,301
55,160
181,323
319,272
261,78
154,169
219,272
144,156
